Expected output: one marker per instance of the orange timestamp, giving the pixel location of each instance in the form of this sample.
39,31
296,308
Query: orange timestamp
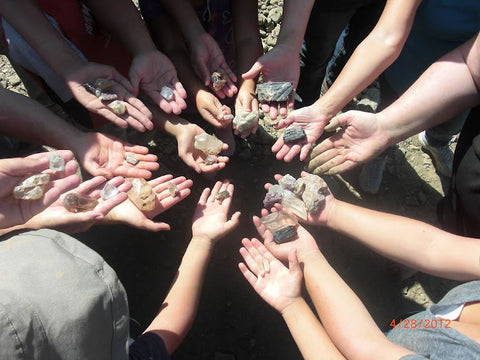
421,323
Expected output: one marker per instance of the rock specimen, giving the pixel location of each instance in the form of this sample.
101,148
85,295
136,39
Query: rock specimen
75,202
98,89
244,121
142,194
118,107
56,162
172,189
314,192
222,195
167,93
108,191
293,134
274,91
208,144
31,187
210,160
131,159
218,80
281,225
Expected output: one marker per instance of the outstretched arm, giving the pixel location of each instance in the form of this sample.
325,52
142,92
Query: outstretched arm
210,224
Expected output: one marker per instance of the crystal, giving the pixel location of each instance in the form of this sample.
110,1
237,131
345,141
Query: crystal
277,221
31,187
274,91
208,144
167,93
218,80
107,96
294,204
108,191
228,117
118,107
244,121
222,195
316,189
293,134
285,234
75,202
56,162
142,194
172,189
131,159
103,84
287,182
271,199
210,160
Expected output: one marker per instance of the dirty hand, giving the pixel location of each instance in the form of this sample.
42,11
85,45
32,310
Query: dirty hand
151,71
210,219
279,64
359,140
136,115
278,285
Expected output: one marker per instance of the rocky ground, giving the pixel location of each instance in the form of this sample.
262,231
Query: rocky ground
233,322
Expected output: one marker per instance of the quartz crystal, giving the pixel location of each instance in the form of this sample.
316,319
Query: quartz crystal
75,202
277,221
210,160
244,121
118,107
56,162
208,144
166,93
31,187
108,191
142,194
131,159
218,80
172,189
274,91
291,202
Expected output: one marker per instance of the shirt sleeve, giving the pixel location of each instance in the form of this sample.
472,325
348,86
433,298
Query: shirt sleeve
148,346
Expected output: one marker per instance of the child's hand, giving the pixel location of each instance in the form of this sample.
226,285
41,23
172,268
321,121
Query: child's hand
277,285
211,109
246,101
210,220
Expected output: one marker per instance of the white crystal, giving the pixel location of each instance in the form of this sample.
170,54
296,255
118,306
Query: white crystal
244,120
167,93
108,191
56,162
208,144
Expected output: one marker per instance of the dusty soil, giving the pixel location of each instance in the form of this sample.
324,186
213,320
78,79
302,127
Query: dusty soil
233,322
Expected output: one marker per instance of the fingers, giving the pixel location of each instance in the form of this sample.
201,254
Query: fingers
253,72
253,258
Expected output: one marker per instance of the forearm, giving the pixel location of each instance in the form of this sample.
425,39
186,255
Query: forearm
169,123
27,120
180,306
407,241
114,15
309,335
345,318
28,20
448,86
294,23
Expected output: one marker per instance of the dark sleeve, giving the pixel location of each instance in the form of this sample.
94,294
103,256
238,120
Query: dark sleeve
148,346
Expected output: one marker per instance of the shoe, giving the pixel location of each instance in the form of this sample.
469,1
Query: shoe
371,175
442,156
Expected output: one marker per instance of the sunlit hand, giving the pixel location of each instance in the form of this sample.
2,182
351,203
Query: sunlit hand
127,213
360,139
206,57
246,101
279,64
312,121
278,285
137,115
195,158
13,170
210,219
105,155
56,216
153,70
211,109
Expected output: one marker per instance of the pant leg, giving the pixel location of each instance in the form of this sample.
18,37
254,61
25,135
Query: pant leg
442,134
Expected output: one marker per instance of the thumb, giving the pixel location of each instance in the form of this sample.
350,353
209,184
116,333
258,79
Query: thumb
337,121
293,265
253,72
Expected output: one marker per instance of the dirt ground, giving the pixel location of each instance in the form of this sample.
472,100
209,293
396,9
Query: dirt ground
232,321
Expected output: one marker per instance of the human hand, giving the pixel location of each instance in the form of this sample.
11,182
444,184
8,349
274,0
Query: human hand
211,109
206,57
210,219
246,101
360,139
104,155
56,216
12,171
137,115
193,157
279,64
312,121
278,285
150,72
127,213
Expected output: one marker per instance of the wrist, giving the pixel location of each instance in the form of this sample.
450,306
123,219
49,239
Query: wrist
292,308
202,242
